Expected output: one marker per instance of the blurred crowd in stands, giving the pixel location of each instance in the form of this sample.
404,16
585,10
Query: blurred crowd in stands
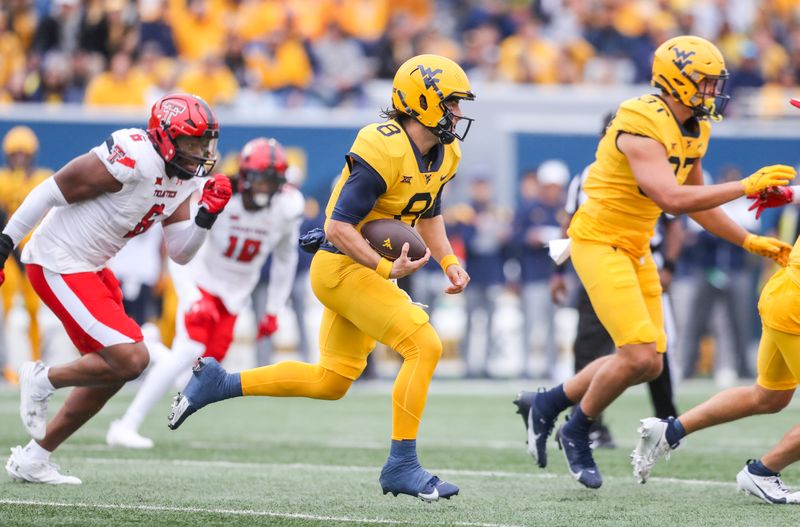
292,53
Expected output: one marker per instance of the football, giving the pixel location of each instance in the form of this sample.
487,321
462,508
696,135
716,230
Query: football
387,237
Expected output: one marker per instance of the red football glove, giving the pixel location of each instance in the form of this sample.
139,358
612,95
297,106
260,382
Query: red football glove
770,198
267,326
216,193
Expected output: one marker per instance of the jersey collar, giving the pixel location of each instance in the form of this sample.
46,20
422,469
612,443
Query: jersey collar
685,131
431,162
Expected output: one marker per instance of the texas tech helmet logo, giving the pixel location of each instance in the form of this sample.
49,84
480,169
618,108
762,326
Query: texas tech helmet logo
171,109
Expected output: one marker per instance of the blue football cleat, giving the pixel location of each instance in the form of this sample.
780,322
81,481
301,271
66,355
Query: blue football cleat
537,426
578,453
413,480
206,386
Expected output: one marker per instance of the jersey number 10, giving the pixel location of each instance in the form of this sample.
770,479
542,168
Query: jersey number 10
249,250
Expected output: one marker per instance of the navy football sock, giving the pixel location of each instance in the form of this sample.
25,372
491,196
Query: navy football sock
402,471
675,432
757,468
579,421
230,386
552,402
404,449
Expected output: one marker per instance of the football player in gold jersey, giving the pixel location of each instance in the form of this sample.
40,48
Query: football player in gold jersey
778,377
648,161
395,169
17,178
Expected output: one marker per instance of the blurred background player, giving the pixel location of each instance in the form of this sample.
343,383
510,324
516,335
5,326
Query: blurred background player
484,233
4,364
94,205
18,177
653,146
722,279
261,220
395,169
778,377
536,222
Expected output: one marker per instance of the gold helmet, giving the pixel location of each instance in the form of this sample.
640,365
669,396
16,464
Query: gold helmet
681,64
20,139
420,89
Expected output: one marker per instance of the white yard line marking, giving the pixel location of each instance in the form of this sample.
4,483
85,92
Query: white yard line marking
232,512
740,446
358,468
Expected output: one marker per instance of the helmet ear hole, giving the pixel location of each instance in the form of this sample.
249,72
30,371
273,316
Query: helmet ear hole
423,102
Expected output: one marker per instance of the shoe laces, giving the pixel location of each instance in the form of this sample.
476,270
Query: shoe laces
584,451
45,465
779,484
774,480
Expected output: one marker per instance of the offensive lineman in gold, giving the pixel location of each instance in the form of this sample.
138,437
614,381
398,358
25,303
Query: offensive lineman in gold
778,377
648,161
395,169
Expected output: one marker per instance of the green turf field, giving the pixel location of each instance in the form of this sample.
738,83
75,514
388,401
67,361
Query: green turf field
299,463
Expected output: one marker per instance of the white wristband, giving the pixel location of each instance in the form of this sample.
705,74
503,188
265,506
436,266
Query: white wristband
795,193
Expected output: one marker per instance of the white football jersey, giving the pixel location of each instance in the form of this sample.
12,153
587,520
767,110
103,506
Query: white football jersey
83,236
229,264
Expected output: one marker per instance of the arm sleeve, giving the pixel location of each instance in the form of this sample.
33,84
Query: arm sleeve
42,198
359,193
183,240
282,269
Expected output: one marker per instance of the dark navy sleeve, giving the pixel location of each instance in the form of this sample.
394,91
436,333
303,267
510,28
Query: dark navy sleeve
435,209
359,193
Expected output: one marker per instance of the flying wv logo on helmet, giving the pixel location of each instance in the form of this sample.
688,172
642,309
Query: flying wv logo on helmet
682,58
430,76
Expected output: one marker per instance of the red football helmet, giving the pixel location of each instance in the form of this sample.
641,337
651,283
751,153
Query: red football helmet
262,170
184,130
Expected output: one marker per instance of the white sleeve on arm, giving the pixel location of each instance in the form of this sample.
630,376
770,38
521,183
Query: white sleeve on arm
183,240
795,193
42,198
282,269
